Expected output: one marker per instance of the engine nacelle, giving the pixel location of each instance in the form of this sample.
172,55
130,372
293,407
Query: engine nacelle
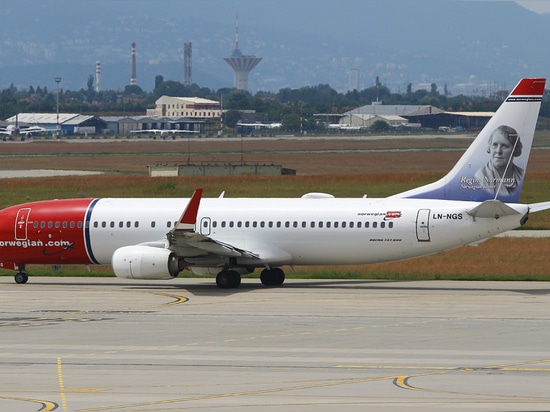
145,262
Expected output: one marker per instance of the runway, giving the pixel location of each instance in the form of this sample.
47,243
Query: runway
106,344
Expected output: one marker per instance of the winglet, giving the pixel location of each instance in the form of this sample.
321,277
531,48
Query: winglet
189,217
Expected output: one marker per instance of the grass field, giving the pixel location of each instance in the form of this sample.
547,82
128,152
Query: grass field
343,167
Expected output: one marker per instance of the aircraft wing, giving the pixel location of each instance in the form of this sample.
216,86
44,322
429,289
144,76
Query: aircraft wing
184,240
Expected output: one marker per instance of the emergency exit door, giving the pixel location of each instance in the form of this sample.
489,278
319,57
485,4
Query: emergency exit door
423,225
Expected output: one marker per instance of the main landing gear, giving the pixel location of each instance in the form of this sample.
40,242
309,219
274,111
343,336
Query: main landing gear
230,279
272,277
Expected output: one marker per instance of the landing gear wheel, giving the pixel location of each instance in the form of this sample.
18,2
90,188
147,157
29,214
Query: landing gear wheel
272,277
21,277
228,279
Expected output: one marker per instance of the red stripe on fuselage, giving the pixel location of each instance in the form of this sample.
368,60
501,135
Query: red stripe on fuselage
46,232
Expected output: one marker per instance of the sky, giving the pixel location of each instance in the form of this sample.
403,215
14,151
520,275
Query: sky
459,43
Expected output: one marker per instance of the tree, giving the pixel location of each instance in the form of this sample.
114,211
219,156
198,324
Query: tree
380,126
90,84
133,89
231,118
159,79
170,88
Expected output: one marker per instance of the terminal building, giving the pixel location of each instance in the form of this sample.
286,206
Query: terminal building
192,107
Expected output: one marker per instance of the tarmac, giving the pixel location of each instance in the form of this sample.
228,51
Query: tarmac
108,344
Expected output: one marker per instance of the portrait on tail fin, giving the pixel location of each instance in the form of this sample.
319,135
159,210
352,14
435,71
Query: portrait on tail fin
494,165
500,175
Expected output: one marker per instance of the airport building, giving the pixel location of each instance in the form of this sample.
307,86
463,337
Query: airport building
191,107
126,125
412,116
70,124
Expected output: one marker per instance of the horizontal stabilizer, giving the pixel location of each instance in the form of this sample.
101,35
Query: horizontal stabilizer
539,207
492,209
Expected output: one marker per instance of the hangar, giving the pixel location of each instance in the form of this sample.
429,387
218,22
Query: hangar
124,125
70,124
426,116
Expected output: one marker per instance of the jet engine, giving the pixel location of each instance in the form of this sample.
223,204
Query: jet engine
145,262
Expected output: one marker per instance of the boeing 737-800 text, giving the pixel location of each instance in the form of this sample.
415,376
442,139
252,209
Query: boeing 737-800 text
158,238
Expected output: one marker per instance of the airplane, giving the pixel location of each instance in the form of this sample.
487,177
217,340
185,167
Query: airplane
229,237
13,130
258,126
163,132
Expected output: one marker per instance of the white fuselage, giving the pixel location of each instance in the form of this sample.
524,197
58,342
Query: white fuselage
320,231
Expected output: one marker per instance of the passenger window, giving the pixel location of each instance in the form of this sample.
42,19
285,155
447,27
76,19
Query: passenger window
231,224
35,224
153,223
79,225
390,225
351,225
254,224
112,224
168,224
321,225
136,224
343,225
374,225
304,224
278,224
366,225
42,225
287,224
103,224
312,224
215,224
358,225
65,225
382,225
328,225
295,224
223,223
335,225
50,225
71,225
96,224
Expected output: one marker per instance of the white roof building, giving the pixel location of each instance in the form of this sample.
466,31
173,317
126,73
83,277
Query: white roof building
193,107
366,120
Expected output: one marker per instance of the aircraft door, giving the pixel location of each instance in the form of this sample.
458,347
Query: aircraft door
205,226
423,225
21,223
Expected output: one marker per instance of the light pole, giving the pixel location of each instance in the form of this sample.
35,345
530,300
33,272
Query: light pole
58,126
